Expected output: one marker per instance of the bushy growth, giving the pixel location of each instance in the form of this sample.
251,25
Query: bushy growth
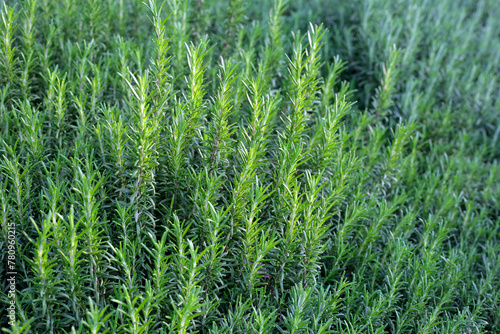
207,166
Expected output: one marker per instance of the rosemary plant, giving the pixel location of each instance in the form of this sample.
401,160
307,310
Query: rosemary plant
272,166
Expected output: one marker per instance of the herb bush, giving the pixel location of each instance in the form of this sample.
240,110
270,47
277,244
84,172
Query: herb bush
319,166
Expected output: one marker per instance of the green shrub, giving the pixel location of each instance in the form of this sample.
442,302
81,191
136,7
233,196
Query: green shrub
250,167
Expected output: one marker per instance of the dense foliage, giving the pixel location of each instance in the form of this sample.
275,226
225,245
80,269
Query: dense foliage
208,166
